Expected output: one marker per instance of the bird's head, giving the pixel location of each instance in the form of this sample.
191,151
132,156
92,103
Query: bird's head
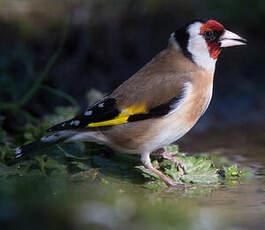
202,41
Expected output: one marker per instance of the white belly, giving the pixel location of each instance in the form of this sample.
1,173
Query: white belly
183,118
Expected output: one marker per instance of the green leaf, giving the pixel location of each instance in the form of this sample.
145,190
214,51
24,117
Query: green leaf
234,175
88,175
5,151
232,171
8,171
15,170
73,151
172,148
80,165
32,132
50,166
199,170
146,173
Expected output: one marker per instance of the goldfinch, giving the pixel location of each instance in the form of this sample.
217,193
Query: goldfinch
158,104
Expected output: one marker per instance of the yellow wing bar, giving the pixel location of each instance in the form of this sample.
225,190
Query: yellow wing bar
122,117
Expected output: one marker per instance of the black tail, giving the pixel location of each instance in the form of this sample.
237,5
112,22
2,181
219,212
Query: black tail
44,145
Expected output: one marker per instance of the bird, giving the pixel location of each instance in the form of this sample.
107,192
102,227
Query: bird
158,104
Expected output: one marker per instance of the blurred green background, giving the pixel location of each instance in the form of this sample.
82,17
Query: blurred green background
109,40
53,52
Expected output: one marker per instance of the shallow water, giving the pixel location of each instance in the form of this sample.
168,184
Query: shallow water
55,202
241,206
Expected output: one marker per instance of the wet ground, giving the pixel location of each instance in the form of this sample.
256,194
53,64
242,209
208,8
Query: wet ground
57,202
242,206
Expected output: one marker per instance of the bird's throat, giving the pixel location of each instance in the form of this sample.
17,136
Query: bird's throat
214,49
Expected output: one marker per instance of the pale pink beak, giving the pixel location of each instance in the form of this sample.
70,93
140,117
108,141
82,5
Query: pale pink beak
231,39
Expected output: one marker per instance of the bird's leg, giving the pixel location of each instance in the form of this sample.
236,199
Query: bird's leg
145,158
170,156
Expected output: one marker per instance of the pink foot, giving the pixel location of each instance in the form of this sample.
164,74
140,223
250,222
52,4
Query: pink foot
170,156
145,158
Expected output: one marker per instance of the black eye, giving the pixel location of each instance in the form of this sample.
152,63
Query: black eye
209,35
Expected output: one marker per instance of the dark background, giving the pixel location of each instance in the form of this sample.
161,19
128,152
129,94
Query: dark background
109,40
106,42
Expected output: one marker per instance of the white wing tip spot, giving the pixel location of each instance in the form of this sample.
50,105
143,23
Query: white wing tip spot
51,138
76,122
44,139
88,113
101,105
18,151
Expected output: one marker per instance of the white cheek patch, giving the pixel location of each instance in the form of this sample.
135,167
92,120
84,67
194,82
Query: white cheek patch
198,47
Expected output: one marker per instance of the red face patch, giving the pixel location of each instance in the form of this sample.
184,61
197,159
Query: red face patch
215,28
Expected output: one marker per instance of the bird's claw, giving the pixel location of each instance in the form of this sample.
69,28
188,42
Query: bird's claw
170,156
181,165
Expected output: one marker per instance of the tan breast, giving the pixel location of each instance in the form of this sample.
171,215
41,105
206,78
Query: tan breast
188,112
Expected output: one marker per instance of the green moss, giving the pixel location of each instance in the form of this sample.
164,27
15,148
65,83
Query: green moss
200,170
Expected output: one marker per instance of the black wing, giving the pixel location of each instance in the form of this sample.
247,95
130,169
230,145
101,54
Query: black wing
106,110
